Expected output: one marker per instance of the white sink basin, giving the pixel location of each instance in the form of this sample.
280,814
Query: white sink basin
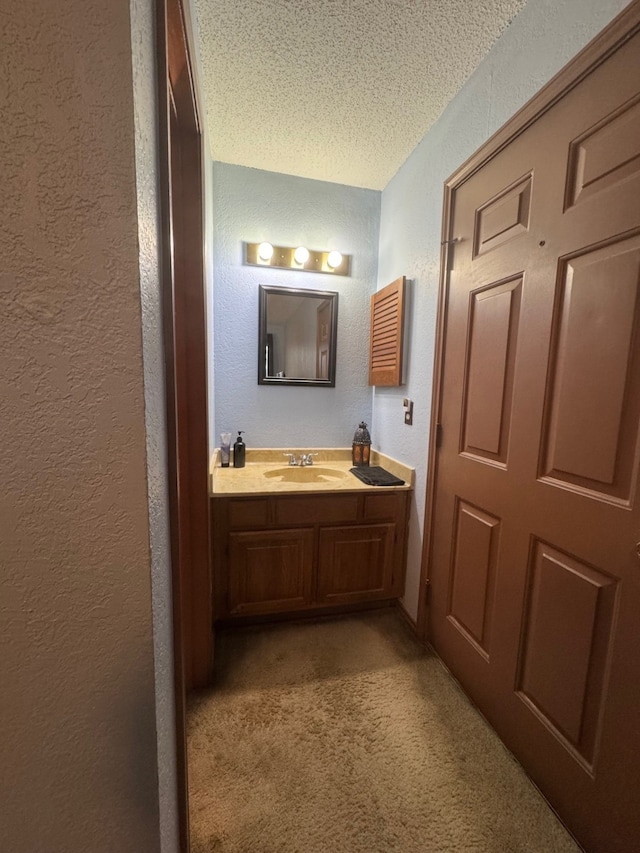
309,474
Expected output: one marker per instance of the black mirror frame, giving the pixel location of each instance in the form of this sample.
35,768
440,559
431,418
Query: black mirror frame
332,298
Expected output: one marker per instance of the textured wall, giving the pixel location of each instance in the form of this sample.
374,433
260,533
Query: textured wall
79,769
146,150
543,37
252,205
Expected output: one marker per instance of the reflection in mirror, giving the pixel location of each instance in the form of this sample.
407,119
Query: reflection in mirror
297,336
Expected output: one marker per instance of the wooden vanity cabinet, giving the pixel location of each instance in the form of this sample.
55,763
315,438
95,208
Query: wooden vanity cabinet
297,553
355,563
270,570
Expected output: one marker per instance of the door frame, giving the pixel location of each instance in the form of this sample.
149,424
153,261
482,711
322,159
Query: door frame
613,36
184,324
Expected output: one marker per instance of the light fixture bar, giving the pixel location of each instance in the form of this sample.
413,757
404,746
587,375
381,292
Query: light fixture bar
283,257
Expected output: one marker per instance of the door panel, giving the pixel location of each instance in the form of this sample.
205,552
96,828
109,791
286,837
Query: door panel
493,331
270,571
503,217
606,154
594,392
534,575
355,563
570,607
473,574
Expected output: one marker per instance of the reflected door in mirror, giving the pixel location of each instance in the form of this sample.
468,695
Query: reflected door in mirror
322,346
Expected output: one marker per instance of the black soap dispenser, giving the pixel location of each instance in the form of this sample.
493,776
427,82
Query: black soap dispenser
239,451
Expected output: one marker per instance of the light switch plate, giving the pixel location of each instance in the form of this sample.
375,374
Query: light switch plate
408,411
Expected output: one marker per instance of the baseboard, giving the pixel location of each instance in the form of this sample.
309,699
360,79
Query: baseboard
312,614
411,622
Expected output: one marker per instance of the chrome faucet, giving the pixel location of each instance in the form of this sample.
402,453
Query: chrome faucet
305,459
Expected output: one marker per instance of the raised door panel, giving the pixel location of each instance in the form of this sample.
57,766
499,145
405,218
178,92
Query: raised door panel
472,576
565,645
494,313
503,217
605,155
593,406
355,563
270,571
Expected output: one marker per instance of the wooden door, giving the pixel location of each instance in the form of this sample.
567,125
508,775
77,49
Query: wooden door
270,571
323,340
535,571
355,563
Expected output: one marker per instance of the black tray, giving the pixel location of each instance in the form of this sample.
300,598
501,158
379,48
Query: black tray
376,476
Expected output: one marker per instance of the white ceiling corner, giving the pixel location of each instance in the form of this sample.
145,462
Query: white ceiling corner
336,90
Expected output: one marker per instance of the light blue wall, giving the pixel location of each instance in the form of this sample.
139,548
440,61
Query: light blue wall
543,37
251,205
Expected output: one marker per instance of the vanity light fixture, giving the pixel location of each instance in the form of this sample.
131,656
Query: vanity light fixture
300,258
265,251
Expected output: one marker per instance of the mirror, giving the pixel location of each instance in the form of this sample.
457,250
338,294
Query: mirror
297,337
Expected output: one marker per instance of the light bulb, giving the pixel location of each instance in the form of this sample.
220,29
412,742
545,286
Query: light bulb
334,260
265,251
301,255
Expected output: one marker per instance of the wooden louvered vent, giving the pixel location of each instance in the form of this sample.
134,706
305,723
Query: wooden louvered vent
386,343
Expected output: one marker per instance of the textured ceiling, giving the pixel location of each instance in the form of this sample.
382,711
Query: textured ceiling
338,90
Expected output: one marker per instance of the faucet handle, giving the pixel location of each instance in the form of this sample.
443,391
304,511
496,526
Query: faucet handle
307,458
292,458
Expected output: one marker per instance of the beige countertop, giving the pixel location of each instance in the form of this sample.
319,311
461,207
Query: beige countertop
267,472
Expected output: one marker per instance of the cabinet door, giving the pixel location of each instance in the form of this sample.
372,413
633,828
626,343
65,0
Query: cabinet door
270,571
386,338
355,563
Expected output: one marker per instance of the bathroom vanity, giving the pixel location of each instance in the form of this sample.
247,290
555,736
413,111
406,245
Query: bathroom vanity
299,541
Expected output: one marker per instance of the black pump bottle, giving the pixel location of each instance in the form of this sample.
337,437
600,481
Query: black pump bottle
238,451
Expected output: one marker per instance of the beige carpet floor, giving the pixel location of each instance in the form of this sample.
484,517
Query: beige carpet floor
346,736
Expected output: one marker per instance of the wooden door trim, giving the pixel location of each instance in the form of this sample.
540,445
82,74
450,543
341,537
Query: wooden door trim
598,50
164,191
178,94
